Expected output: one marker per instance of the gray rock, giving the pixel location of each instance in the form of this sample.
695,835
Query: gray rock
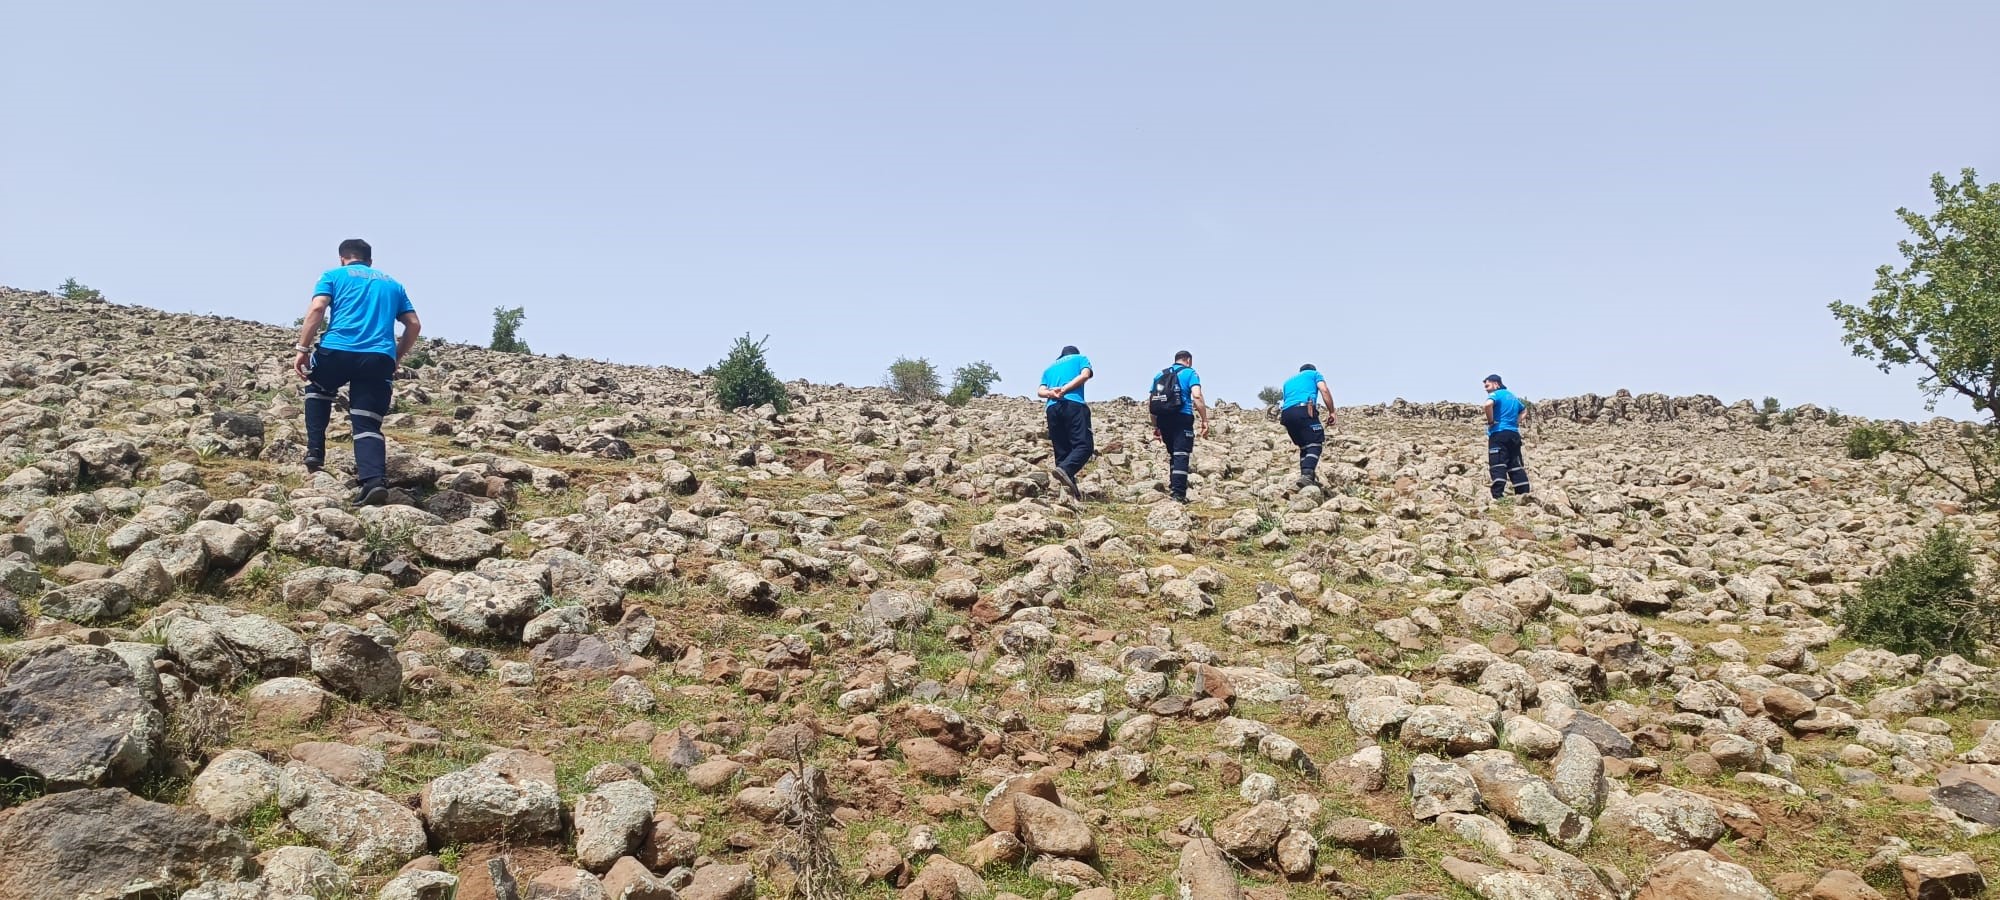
1667,821
610,822
476,606
76,717
108,843
233,785
1577,776
353,665
1253,833
362,826
302,871
507,795
1204,873
1438,787
1695,875
1446,729
453,545
1508,788
88,602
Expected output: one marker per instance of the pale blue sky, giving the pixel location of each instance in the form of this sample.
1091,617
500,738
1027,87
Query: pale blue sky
1581,196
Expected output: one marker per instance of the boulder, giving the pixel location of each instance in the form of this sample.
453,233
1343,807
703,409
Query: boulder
355,665
1048,828
1941,877
108,843
365,827
76,716
1204,873
510,794
233,785
611,821
1695,875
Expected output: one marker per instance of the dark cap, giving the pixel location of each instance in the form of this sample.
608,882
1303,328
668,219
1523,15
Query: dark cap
1308,367
1069,350
1496,380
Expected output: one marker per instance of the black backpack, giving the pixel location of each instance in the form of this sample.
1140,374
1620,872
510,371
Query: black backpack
1165,398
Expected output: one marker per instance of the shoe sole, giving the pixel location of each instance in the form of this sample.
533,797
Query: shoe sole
1069,483
373,497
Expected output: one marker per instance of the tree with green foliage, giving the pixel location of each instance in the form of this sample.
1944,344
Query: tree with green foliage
1271,397
1870,441
915,380
971,381
507,330
743,378
1926,603
1940,312
77,292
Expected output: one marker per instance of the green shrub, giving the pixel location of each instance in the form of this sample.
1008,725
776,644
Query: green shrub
507,330
915,380
76,291
1870,441
970,381
1925,603
1764,413
1833,417
743,378
420,355
1271,396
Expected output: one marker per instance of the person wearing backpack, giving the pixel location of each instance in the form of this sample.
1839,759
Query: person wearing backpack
1068,417
1174,402
1306,394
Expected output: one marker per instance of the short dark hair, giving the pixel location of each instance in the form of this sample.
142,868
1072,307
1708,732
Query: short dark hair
1308,367
1069,350
356,248
1184,355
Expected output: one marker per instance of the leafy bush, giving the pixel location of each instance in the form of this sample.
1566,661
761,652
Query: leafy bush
507,330
1924,603
913,379
1870,441
76,291
970,381
743,378
1834,418
1271,396
1762,419
419,355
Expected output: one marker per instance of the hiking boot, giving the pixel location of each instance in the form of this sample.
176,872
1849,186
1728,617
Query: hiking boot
1307,479
1178,498
314,463
1069,481
371,495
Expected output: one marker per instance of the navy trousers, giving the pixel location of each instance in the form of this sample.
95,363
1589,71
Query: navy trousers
1307,434
367,377
1070,435
1504,463
1177,430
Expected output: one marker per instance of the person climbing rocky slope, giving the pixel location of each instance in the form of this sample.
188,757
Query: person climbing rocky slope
630,645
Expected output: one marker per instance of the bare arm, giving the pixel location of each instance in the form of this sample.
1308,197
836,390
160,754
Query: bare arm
1076,382
1489,411
412,326
308,330
1200,407
1326,399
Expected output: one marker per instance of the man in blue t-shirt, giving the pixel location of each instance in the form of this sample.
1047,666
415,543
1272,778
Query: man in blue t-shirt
1307,399
1068,417
360,306
1176,429
1503,438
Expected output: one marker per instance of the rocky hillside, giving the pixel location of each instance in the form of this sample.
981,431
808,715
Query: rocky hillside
637,647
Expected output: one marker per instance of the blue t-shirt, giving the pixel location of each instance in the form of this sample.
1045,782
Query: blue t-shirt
1188,378
1506,411
1063,371
362,317
1302,388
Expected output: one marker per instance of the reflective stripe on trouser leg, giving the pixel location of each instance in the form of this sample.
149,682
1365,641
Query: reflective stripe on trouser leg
1309,458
